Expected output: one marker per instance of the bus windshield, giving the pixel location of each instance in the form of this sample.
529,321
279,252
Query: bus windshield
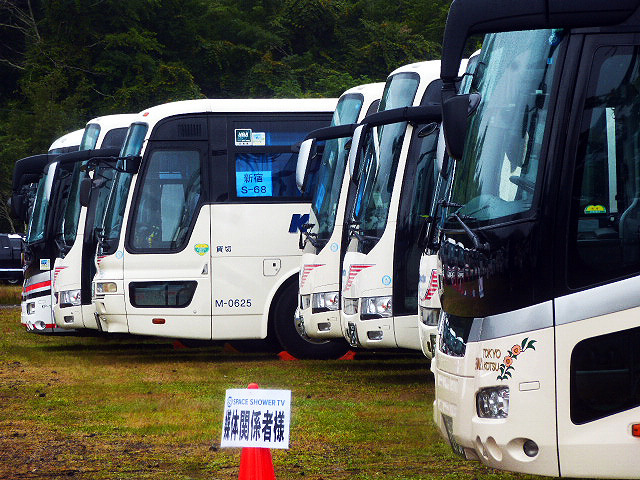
380,161
114,211
331,171
498,174
41,206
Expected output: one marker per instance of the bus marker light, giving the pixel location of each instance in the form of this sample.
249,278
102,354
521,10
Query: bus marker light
158,321
635,430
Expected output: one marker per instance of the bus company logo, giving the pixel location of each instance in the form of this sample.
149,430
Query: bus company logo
201,248
298,222
307,270
243,136
491,356
353,271
386,280
334,247
119,254
591,209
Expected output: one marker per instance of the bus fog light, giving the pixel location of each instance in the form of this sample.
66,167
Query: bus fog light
324,326
493,402
374,335
376,307
305,301
69,298
530,448
325,301
106,287
429,316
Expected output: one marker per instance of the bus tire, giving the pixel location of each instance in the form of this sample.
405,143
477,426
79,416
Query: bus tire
294,342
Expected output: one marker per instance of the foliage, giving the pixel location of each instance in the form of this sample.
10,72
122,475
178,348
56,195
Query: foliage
65,62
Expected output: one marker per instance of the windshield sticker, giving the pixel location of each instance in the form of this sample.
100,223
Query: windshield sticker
243,137
591,209
201,248
507,363
45,264
254,184
258,139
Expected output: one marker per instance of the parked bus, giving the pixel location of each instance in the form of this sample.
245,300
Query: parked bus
395,189
199,238
428,298
320,266
31,205
74,267
537,368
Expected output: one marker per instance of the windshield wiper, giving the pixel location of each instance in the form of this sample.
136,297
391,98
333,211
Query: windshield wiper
477,244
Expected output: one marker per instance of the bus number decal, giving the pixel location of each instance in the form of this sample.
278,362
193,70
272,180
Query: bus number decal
233,303
254,184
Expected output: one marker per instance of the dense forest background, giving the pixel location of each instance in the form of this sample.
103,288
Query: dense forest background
63,62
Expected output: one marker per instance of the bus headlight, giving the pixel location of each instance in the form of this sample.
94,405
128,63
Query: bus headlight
493,402
325,301
69,298
375,307
106,287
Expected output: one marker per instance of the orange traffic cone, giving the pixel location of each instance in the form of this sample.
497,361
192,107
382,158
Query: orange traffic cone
256,463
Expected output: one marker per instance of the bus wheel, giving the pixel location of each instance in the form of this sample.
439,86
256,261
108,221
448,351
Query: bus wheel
293,338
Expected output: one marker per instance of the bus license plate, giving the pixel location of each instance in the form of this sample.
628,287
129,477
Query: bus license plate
448,425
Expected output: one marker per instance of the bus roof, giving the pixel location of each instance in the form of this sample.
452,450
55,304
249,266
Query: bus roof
153,115
71,139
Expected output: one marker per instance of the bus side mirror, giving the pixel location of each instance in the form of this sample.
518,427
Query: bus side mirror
455,113
303,161
17,206
355,149
85,191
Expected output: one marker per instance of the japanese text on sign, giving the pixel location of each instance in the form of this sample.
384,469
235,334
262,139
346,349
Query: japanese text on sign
256,418
254,184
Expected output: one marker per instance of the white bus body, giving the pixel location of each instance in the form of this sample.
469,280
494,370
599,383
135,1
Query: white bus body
380,265
321,262
73,308
36,313
537,368
225,266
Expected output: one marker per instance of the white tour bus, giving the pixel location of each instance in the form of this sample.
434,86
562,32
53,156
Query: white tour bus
428,298
36,302
204,245
321,260
75,266
398,170
537,366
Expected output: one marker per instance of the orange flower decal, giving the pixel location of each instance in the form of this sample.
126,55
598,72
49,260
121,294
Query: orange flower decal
516,349
508,361
507,364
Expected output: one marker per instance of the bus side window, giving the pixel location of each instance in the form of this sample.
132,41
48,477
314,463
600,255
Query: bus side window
605,209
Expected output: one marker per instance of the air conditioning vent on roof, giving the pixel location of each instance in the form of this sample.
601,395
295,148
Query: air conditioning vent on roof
189,130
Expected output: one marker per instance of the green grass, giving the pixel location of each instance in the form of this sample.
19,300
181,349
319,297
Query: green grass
10,294
122,407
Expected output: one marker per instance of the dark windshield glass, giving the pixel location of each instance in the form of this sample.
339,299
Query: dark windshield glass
380,161
41,206
114,212
498,175
331,171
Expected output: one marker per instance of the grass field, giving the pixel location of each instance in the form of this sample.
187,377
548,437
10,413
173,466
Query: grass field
127,408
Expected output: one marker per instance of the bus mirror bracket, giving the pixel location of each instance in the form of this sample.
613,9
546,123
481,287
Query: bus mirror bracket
455,113
132,164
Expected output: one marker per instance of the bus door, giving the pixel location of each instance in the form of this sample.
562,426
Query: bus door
254,235
167,270
597,309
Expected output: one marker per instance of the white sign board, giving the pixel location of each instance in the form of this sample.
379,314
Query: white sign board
256,418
